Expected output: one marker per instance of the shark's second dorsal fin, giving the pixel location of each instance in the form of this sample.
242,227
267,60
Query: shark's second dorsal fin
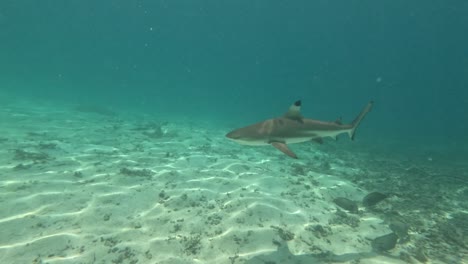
294,111
339,121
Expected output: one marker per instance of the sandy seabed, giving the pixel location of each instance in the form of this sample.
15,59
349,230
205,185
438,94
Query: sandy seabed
82,184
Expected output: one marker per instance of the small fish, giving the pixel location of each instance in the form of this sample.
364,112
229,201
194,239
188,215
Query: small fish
384,243
346,204
400,229
373,198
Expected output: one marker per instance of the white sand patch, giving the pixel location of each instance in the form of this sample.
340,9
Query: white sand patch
85,188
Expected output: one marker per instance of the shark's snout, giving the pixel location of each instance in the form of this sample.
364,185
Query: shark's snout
233,135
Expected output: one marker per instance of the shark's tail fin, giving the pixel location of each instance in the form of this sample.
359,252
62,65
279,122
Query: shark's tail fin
359,118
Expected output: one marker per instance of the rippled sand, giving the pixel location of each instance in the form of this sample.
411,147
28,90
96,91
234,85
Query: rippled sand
82,186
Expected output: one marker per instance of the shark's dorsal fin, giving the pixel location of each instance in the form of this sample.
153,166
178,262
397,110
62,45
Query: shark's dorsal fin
294,112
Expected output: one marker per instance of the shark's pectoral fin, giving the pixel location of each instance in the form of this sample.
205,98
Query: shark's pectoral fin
284,148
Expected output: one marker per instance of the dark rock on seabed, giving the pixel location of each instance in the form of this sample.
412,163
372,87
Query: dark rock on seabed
384,243
373,198
346,204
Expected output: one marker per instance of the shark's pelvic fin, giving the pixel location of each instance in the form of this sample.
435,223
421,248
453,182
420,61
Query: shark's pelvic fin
359,118
284,148
318,140
294,112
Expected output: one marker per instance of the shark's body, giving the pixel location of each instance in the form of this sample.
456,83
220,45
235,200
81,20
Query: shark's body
293,128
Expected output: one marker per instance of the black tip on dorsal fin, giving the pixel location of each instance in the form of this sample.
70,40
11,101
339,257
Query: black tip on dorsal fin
294,111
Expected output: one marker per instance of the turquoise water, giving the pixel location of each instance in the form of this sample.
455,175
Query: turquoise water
157,72
224,55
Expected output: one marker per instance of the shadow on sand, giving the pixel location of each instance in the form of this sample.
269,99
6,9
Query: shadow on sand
283,255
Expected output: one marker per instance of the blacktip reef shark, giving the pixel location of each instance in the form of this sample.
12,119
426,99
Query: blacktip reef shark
292,127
